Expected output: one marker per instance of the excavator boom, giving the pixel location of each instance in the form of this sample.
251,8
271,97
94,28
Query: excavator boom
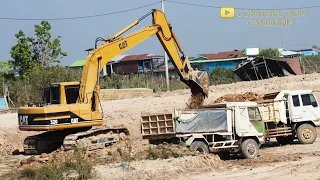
115,45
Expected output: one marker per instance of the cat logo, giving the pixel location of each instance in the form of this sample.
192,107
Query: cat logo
23,120
123,45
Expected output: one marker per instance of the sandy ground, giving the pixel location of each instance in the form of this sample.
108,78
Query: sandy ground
291,162
273,162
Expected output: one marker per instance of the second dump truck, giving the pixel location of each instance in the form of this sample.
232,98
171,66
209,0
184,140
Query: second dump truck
239,127
289,115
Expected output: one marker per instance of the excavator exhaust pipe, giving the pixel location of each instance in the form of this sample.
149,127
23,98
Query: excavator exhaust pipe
198,81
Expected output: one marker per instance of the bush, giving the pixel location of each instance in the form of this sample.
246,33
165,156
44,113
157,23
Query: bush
222,76
75,165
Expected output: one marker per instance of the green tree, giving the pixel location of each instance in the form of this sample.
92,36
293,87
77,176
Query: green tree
37,50
269,53
222,75
4,67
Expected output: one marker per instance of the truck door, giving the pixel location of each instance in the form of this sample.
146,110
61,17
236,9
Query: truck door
250,121
310,107
295,108
256,120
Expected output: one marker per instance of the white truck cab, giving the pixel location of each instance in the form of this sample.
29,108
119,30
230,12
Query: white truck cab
303,106
291,114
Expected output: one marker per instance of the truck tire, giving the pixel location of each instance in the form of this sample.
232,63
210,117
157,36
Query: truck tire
249,149
306,133
200,146
284,140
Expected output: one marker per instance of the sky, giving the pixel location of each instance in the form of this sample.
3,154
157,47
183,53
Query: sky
199,29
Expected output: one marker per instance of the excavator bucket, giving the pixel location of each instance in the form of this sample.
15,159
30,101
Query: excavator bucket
199,83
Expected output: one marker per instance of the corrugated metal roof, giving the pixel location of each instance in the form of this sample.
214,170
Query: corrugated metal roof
163,67
224,55
284,52
138,57
294,63
118,58
217,60
78,63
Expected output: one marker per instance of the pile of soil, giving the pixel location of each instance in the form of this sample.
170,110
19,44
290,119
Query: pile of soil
248,96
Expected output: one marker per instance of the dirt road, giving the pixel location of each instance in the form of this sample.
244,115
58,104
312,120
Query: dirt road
286,162
292,161
307,168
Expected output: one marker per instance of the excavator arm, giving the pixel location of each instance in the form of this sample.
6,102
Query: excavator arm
115,45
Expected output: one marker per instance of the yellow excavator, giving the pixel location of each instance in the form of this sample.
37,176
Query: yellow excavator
71,109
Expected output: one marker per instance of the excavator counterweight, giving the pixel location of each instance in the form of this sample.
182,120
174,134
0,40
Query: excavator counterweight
72,108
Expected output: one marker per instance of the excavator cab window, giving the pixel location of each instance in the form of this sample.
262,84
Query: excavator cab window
55,94
72,93
46,97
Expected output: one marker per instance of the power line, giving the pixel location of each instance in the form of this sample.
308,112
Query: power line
79,17
216,7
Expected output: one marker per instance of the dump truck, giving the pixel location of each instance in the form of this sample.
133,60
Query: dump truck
228,128
290,115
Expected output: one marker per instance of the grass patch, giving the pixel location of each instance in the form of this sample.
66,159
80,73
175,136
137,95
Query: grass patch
73,166
41,173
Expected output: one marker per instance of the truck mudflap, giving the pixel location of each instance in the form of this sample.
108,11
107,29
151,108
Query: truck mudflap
317,122
262,140
196,136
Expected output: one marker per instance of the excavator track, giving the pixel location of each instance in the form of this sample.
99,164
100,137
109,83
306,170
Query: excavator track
44,143
70,140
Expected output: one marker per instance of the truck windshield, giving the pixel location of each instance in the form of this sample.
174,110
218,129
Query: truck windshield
309,99
254,114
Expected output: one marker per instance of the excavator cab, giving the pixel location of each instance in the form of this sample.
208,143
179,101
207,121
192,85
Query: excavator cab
61,93
58,93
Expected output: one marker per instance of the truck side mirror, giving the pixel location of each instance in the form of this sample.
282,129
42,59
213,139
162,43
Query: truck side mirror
314,104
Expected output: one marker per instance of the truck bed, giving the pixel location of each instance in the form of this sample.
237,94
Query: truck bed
273,111
207,120
157,125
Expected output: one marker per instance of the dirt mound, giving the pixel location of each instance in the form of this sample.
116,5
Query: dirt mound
11,140
126,150
248,96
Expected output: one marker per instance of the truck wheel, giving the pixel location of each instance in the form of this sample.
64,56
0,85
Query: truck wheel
306,133
200,146
249,149
284,140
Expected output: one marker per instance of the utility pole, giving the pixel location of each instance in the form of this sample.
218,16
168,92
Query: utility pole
165,56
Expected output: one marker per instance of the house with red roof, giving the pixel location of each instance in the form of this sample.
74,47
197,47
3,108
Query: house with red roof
138,63
227,59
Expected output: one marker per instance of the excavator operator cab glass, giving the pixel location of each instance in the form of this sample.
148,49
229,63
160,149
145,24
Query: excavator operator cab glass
46,97
55,94
72,93
52,94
